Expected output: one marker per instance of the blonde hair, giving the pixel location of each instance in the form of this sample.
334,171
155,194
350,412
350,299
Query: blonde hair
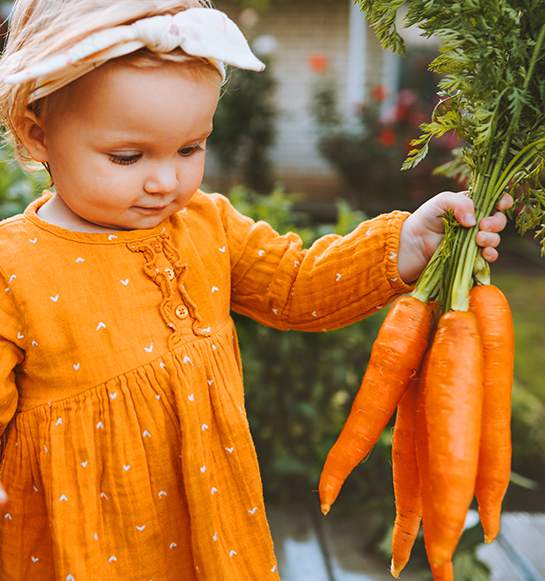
39,28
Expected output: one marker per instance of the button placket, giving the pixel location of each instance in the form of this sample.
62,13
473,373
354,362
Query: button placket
182,312
165,267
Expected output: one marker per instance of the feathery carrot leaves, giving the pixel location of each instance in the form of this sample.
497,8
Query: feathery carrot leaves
492,58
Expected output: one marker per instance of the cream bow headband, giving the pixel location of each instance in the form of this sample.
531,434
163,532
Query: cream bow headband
200,32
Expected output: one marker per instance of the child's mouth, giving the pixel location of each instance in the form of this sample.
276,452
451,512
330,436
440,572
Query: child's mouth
151,209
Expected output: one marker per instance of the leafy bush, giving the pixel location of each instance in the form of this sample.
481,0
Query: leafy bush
367,152
17,188
299,386
244,128
525,292
528,428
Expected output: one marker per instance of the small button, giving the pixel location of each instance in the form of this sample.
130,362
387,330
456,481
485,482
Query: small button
170,273
181,311
157,246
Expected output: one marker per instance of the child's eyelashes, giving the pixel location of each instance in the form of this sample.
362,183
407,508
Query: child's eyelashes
192,150
128,159
125,159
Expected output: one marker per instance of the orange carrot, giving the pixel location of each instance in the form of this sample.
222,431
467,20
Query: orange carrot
443,572
453,402
491,308
395,358
406,481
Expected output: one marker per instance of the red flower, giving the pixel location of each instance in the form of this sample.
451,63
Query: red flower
379,93
387,137
408,146
318,62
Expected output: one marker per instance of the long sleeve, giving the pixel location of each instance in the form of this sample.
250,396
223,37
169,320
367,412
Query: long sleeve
337,281
10,354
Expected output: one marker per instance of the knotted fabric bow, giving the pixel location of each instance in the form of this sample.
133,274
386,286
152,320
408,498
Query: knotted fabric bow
199,32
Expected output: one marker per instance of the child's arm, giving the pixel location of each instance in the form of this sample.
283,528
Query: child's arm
423,230
11,356
338,280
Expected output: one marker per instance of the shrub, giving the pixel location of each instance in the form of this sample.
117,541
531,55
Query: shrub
368,151
17,188
244,128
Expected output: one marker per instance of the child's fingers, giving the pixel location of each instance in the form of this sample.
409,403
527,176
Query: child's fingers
3,496
487,239
506,202
464,211
459,204
495,223
489,254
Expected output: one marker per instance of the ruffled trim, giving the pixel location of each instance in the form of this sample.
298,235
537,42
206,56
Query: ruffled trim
161,279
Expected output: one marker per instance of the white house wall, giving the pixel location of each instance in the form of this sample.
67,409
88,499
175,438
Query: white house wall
303,28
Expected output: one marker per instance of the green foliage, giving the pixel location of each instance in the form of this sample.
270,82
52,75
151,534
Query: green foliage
275,208
528,432
493,88
368,152
299,386
244,128
526,295
17,188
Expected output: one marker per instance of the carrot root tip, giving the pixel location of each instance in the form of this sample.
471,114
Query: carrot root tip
395,572
325,508
489,539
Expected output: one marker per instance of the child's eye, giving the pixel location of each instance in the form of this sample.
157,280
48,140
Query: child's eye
125,159
188,151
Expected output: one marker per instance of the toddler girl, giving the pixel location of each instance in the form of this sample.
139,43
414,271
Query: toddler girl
126,453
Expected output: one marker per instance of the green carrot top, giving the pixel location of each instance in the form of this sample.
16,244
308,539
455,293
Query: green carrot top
492,95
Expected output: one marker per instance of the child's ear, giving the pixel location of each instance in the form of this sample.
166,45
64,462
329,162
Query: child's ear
32,134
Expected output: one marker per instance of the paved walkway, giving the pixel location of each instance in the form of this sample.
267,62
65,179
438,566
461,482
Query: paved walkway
312,548
518,554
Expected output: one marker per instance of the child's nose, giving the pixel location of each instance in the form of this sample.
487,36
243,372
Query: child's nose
162,179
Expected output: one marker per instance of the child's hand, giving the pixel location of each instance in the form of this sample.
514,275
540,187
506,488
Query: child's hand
3,497
423,230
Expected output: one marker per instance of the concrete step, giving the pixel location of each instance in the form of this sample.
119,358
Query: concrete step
518,554
312,548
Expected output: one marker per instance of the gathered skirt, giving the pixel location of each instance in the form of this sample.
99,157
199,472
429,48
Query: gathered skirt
151,476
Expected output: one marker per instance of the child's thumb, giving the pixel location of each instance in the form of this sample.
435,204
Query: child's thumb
3,496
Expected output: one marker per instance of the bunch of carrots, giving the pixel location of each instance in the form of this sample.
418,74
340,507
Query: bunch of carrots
451,383
444,355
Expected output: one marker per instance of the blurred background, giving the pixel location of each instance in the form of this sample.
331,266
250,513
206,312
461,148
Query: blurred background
314,144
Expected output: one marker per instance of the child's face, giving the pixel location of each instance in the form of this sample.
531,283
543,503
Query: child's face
127,151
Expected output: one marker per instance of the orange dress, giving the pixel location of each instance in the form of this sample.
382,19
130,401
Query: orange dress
126,453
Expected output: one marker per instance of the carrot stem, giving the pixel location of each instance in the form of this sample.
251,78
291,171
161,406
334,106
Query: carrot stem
430,278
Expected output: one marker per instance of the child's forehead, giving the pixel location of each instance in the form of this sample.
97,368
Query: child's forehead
124,73
118,96
123,79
